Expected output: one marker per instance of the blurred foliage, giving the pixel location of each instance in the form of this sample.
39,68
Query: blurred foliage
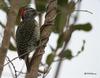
41,5
68,54
65,9
61,17
85,27
12,47
61,39
22,3
3,6
50,59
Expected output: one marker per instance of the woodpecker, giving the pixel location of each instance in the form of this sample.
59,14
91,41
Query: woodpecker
27,33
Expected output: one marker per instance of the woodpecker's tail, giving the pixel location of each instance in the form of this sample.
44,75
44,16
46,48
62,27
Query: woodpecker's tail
27,63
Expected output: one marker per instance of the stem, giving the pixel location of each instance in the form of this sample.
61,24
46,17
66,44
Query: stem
69,32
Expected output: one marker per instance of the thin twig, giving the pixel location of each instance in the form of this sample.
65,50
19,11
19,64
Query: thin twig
16,58
12,66
77,13
48,70
43,74
11,71
3,26
82,48
20,72
84,11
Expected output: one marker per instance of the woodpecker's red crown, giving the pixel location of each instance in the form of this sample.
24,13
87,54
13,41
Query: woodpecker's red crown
27,13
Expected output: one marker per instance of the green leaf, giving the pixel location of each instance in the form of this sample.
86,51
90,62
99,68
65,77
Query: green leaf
50,59
41,5
85,27
61,18
12,47
68,54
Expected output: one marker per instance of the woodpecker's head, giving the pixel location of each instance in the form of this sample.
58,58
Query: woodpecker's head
27,13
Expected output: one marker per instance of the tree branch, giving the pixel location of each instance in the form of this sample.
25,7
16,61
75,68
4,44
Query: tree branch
46,30
13,33
11,18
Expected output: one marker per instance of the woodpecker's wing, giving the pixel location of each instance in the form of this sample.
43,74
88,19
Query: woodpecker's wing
25,38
